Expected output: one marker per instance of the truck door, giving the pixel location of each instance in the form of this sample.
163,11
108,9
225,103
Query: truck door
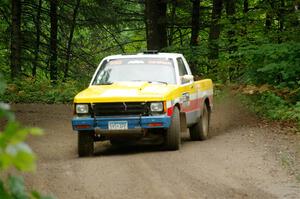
188,92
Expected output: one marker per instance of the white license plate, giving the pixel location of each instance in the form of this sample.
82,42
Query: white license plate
117,125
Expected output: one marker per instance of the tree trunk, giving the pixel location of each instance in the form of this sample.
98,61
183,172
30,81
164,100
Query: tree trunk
230,11
269,17
281,13
214,32
246,6
268,21
195,23
173,14
156,18
53,41
69,45
15,57
294,20
230,7
245,21
37,42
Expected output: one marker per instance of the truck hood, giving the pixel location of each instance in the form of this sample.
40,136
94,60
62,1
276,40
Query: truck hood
125,92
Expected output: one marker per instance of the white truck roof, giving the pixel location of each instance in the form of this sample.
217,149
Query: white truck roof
158,55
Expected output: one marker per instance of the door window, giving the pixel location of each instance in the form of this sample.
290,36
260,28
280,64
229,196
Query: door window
181,67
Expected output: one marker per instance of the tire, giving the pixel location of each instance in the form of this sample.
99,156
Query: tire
173,139
200,131
85,143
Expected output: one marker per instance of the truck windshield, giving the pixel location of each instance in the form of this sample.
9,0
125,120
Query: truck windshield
158,70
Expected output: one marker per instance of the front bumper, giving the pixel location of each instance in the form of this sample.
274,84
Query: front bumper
134,123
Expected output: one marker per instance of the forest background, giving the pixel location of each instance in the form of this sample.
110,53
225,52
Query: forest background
50,49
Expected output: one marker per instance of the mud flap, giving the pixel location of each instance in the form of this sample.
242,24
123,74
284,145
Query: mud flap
183,125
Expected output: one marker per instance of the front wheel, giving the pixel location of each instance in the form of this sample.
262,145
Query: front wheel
200,131
173,139
85,143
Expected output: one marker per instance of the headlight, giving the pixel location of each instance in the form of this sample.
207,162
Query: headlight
156,107
82,108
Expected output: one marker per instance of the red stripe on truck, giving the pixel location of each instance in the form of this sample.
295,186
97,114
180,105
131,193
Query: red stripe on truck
193,105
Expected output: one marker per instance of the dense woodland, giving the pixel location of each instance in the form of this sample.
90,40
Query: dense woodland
49,49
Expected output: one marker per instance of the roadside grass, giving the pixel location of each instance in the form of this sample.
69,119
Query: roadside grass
270,105
30,90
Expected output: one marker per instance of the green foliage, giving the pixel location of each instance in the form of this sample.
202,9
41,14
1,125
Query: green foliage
274,64
15,189
15,153
42,91
270,105
2,84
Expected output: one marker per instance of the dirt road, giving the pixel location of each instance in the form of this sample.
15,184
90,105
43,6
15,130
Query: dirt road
245,158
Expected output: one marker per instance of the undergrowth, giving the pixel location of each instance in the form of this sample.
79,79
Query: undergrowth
272,106
29,90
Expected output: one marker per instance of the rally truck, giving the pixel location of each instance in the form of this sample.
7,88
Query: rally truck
142,97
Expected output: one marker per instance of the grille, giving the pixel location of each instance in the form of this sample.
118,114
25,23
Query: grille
115,109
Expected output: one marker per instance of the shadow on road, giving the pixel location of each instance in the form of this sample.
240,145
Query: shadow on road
109,150
106,149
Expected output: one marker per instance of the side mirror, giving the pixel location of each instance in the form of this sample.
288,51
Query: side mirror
187,78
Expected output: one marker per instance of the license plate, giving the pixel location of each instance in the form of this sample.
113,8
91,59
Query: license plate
117,125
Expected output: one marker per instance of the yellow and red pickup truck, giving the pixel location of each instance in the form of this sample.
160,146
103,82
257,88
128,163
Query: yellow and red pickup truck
142,97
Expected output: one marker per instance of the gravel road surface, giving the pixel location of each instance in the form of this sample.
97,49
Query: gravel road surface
245,158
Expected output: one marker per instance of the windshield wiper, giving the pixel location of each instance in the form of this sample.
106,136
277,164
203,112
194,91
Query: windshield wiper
161,82
150,82
105,83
